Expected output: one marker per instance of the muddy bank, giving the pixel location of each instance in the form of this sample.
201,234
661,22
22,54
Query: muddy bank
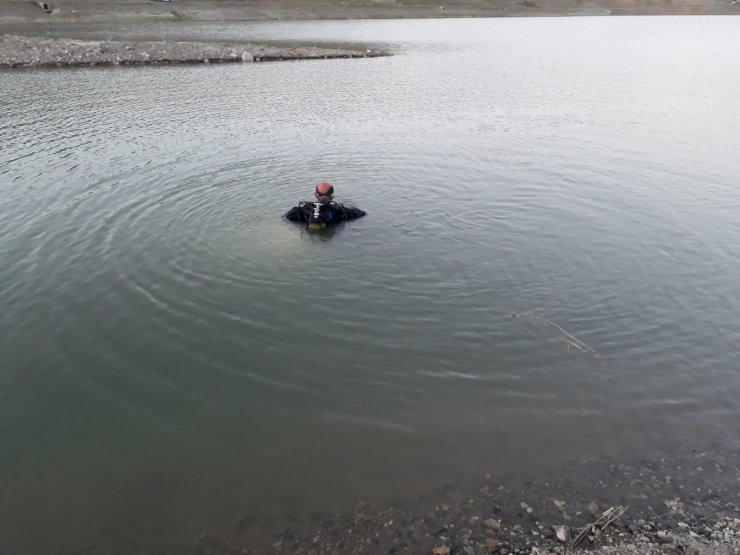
17,51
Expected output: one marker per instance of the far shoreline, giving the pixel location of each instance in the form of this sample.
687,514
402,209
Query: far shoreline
17,51
24,25
53,12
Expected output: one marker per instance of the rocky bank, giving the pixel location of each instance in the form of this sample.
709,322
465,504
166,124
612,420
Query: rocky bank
19,51
685,502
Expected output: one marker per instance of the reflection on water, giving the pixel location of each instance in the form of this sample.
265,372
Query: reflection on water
175,356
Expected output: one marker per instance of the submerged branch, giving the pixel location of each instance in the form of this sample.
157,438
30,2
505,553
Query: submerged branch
571,341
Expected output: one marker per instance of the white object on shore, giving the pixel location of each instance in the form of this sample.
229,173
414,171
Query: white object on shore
561,532
247,57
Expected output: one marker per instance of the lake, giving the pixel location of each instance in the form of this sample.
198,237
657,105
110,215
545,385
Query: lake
548,270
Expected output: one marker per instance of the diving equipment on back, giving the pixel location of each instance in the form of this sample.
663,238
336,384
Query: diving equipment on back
324,212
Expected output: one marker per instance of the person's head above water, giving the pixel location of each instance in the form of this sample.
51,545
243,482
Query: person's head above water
324,192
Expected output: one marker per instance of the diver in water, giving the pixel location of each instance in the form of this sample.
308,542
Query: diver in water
324,212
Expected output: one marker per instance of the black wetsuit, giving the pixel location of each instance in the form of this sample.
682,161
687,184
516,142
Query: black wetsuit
323,214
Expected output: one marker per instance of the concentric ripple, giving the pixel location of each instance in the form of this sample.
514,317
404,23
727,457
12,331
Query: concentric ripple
172,347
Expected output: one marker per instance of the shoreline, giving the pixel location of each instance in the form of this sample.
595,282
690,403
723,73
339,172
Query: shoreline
688,501
685,501
21,51
87,11
28,48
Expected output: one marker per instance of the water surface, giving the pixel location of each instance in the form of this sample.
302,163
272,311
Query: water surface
174,355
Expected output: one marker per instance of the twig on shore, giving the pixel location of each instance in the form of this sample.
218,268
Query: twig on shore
595,528
571,341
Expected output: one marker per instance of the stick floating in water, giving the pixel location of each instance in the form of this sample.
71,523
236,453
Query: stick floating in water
572,343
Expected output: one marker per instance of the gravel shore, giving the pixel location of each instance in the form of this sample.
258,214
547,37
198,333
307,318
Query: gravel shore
679,503
18,51
686,502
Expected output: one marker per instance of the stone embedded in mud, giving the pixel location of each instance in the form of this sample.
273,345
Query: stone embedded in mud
441,550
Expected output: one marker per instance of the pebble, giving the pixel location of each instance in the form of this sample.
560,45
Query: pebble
492,543
493,524
561,532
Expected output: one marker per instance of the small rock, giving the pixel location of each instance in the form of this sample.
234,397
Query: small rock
683,525
673,504
493,524
441,550
492,543
247,57
593,508
561,532
559,504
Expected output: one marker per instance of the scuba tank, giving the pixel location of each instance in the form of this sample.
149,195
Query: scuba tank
315,223
321,215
